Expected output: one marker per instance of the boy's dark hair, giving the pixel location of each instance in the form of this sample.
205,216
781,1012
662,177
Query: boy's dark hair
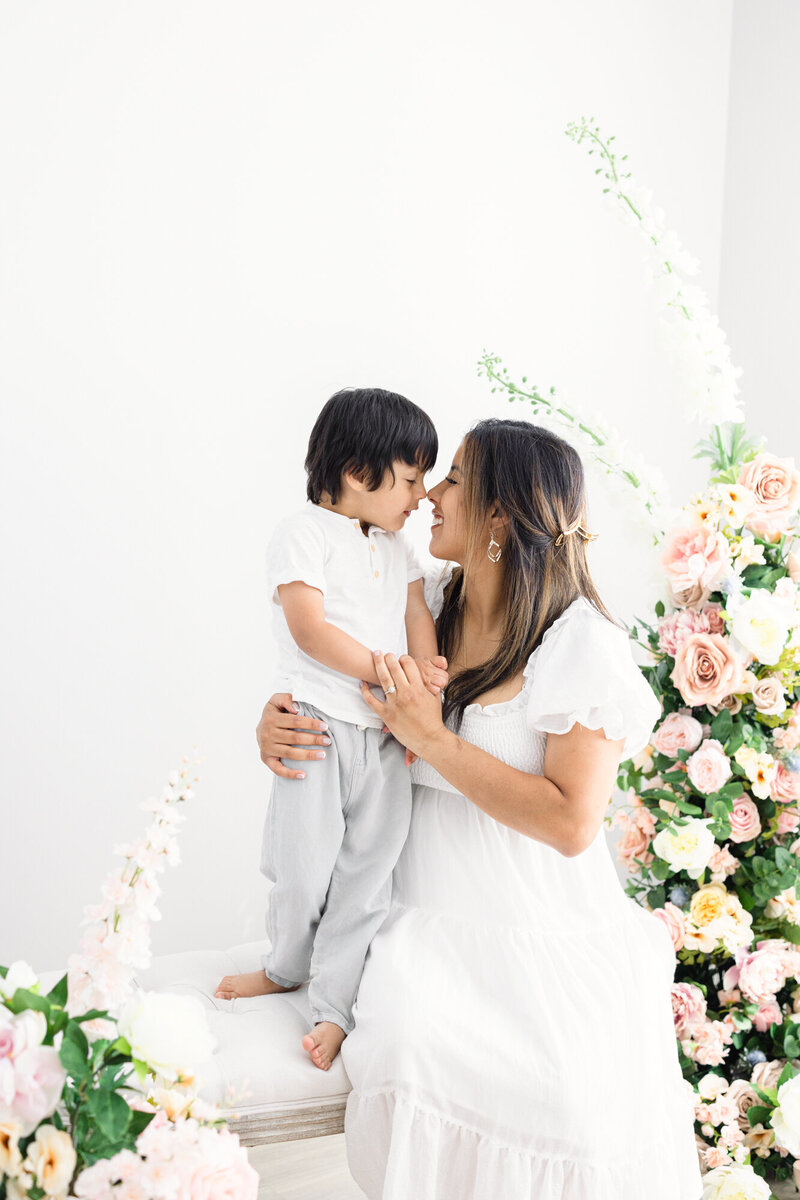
365,430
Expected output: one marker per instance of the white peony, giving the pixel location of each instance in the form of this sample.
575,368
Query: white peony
760,624
786,1117
20,975
735,1183
169,1033
688,848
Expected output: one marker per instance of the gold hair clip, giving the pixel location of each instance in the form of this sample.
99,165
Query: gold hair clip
579,529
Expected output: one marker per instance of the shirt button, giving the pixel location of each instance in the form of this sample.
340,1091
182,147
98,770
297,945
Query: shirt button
373,547
377,573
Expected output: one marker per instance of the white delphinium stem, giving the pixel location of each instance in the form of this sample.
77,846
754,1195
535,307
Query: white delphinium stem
116,941
625,468
698,344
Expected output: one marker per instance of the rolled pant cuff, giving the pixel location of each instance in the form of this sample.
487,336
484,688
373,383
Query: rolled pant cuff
285,983
328,1014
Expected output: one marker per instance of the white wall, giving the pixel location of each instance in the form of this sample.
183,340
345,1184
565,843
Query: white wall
213,216
759,291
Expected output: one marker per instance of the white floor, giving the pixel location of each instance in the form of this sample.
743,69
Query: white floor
313,1169
316,1169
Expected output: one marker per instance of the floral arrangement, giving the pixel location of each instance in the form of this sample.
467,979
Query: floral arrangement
97,1077
709,833
710,830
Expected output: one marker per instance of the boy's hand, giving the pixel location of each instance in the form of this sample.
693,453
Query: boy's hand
434,673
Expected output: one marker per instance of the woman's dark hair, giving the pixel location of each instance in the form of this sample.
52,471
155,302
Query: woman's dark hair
365,430
535,479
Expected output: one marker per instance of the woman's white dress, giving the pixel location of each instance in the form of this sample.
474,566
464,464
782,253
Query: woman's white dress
514,1036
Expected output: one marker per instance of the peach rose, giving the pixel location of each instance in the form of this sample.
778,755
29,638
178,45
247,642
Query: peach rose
745,821
765,1075
694,556
52,1158
709,767
706,669
673,918
744,1096
769,696
722,864
785,785
688,1008
793,565
678,731
776,486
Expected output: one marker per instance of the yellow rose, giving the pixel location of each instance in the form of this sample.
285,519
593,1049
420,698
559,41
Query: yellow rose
708,904
10,1157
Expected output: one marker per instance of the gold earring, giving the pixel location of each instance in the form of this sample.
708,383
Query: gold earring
495,549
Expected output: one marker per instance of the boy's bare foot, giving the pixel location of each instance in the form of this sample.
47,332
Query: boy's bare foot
324,1043
250,983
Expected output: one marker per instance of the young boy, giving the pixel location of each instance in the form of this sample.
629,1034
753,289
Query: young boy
343,583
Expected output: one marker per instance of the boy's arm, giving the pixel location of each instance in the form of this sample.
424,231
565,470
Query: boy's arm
421,638
420,629
304,609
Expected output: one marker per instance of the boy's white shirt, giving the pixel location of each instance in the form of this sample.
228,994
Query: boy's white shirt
364,582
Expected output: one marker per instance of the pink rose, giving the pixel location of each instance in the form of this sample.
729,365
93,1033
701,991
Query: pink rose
678,731
776,486
745,821
788,820
709,767
713,617
706,669
731,997
673,918
761,974
694,556
785,785
688,1009
767,1015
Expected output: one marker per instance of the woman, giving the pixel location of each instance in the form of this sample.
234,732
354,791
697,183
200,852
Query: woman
513,1032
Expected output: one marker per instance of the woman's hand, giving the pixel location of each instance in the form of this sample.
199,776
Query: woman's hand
278,737
410,711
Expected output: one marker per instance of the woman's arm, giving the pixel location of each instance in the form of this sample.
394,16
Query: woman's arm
563,808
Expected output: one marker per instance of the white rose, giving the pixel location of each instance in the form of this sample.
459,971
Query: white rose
735,1183
169,1033
786,1117
688,848
20,975
52,1158
760,624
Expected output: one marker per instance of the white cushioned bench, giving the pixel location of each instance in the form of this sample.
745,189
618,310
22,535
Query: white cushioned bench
258,1048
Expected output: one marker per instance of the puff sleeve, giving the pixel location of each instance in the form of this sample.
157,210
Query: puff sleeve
435,580
583,672
296,553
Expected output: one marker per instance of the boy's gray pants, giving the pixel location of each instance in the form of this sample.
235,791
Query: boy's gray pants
330,844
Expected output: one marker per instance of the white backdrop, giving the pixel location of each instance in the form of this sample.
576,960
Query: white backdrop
213,216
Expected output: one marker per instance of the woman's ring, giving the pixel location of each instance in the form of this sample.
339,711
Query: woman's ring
390,690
